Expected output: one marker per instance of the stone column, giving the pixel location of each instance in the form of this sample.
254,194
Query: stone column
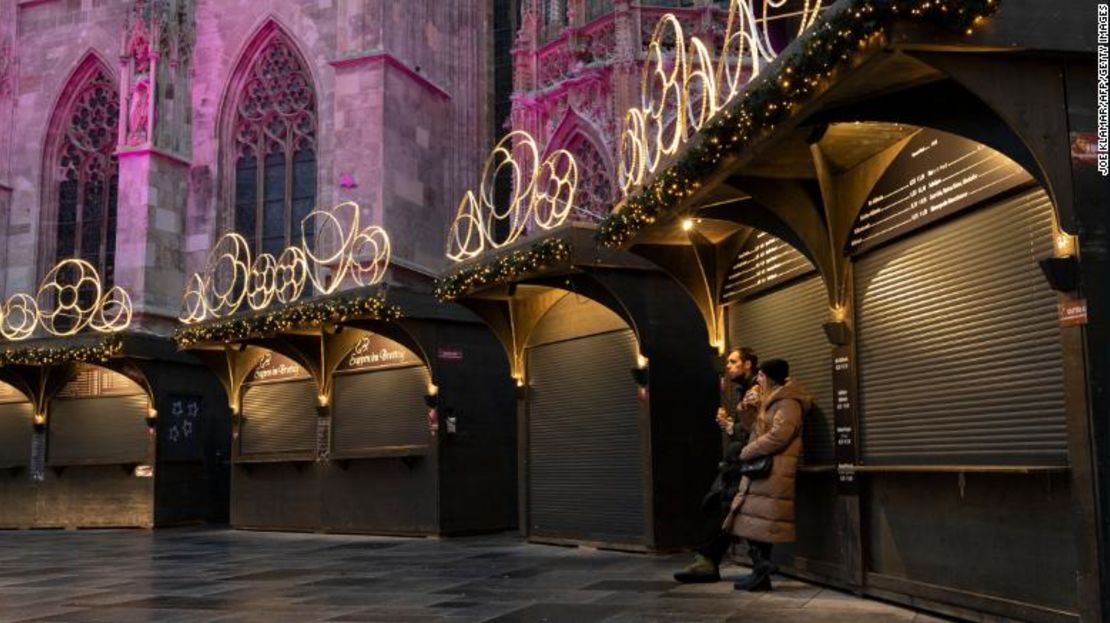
154,160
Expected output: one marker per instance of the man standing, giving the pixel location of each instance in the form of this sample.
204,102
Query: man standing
740,368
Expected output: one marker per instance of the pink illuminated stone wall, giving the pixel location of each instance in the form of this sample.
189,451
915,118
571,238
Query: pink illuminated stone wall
577,70
401,126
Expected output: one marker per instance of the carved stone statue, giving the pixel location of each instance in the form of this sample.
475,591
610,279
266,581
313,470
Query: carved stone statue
139,114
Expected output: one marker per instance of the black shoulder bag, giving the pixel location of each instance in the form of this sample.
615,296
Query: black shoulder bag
757,468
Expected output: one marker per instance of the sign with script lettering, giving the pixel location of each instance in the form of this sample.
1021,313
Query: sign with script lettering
374,352
935,175
275,367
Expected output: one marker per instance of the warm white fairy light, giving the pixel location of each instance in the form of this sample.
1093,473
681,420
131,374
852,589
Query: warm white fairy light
342,249
682,85
70,299
542,195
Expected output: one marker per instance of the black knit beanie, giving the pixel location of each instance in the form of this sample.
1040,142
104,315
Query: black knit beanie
775,369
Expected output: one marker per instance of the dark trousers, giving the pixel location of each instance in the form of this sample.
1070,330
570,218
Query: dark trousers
716,547
715,541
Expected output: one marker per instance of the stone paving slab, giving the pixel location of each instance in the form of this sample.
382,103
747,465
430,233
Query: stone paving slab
207,574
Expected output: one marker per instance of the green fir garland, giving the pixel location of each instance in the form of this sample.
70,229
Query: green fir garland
504,269
98,352
833,41
311,313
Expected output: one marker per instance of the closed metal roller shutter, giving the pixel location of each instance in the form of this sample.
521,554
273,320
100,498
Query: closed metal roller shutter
16,419
960,359
585,469
279,418
380,409
98,430
788,324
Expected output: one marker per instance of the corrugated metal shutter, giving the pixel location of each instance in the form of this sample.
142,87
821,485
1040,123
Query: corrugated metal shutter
15,433
279,418
584,440
378,409
959,345
787,324
98,430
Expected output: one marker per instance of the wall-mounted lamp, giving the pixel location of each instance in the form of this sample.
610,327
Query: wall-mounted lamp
837,332
687,224
322,400
1062,273
1064,244
39,421
640,373
431,399
151,417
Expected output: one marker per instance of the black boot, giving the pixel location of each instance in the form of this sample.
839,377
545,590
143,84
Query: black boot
762,568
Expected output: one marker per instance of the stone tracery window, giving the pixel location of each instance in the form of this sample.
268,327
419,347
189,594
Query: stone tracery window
88,174
595,197
275,149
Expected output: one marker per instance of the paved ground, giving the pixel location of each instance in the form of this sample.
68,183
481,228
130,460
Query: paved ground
187,575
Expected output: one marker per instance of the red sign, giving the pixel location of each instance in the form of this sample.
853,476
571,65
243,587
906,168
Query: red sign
1073,313
449,354
1084,148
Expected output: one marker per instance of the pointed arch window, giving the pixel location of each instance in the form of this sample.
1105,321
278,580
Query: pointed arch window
594,199
88,176
275,149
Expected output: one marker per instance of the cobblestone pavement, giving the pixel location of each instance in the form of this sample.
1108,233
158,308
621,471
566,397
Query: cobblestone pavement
186,575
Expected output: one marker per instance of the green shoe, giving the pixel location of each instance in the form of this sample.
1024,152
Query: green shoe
701,570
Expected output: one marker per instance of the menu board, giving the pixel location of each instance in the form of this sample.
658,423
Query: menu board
376,352
275,367
764,262
844,416
936,174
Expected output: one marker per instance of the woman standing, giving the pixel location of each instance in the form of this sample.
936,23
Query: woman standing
763,510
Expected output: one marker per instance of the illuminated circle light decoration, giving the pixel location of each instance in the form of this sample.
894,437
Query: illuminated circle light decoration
542,195
233,281
70,299
683,84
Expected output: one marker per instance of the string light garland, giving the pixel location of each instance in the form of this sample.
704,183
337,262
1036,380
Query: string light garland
542,195
683,84
306,314
70,298
231,278
98,352
834,41
504,269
